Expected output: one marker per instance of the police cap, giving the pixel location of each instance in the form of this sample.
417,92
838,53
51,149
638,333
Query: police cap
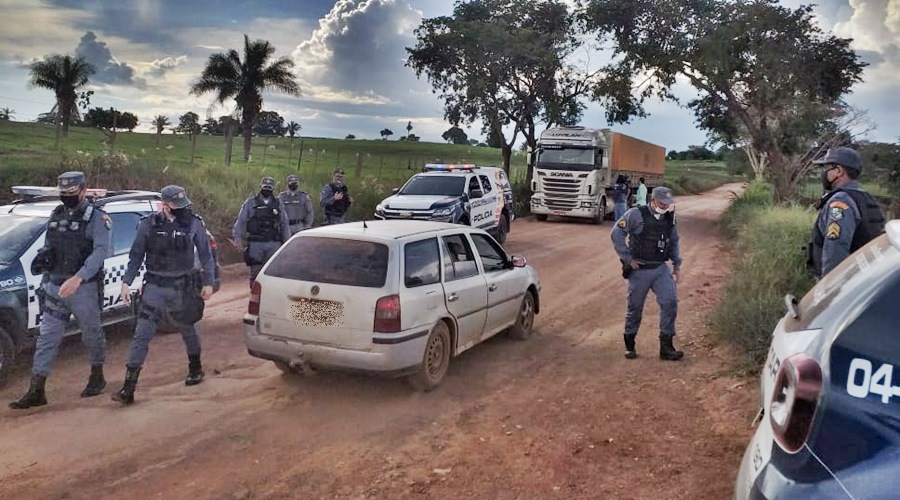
267,183
175,196
663,195
844,157
293,179
70,183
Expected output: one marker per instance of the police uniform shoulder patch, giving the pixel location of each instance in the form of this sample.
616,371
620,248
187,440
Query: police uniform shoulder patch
839,204
622,223
836,213
833,231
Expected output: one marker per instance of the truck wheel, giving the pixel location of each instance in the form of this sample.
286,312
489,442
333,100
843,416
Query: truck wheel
435,361
541,217
601,213
502,229
7,354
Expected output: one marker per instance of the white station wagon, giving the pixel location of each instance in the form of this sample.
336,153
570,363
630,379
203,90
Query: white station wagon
396,298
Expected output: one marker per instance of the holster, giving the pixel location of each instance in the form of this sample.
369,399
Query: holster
192,304
626,269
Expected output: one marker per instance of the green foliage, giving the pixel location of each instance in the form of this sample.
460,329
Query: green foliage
771,263
694,177
455,135
110,119
270,123
66,76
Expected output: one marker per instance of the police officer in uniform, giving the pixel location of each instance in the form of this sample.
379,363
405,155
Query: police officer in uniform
335,199
652,239
261,227
297,205
848,217
77,242
166,241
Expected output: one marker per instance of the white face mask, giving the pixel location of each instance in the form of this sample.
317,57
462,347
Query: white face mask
660,211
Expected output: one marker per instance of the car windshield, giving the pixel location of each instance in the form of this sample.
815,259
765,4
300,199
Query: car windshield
16,233
567,158
434,185
866,268
335,261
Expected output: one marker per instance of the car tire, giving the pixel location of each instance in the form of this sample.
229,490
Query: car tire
435,361
285,368
7,354
541,217
502,229
524,319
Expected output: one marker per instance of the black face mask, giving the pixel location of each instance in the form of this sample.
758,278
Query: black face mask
181,213
70,201
825,182
265,193
292,187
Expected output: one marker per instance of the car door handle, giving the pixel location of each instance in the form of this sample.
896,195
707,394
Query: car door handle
453,297
492,287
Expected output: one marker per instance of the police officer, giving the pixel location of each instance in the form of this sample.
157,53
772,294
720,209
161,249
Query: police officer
335,199
848,217
297,205
165,243
620,196
652,239
261,227
77,242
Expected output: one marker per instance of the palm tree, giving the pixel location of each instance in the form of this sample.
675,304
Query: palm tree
229,77
293,128
160,122
64,75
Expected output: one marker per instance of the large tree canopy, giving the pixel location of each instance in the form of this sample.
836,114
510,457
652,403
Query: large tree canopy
504,62
66,76
769,78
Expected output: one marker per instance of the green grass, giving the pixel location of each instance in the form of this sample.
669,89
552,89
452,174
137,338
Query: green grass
694,177
771,263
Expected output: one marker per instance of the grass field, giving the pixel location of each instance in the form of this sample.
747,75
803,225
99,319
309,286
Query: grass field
373,168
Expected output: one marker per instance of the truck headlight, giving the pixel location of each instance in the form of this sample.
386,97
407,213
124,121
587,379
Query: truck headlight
587,204
442,212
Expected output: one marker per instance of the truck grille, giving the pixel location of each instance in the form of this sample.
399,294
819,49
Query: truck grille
553,186
408,214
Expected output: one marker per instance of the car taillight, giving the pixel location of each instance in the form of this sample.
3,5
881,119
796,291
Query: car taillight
255,293
798,386
387,314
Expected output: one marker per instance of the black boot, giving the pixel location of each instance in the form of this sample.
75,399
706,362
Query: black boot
126,394
34,396
630,352
667,351
96,382
195,371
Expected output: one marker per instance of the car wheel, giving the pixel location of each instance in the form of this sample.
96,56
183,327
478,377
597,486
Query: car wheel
525,319
541,217
285,368
502,229
7,354
435,361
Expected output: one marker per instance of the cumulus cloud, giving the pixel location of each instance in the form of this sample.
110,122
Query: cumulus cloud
109,69
162,66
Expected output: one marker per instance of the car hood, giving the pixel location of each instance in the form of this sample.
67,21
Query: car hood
418,202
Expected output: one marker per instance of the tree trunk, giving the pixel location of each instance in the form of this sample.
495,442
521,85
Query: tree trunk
229,141
507,157
158,136
247,137
66,112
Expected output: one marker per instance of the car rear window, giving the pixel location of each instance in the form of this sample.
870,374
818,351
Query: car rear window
867,267
335,261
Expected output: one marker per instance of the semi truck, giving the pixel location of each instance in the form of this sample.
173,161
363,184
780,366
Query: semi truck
575,167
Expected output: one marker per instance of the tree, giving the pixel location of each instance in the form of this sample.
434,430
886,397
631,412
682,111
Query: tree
385,133
350,137
189,123
413,138
65,76
769,79
6,114
409,128
504,62
110,121
293,129
212,127
455,135
269,123
160,122
244,80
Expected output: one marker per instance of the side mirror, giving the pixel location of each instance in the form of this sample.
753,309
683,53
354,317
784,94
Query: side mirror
519,261
475,194
395,190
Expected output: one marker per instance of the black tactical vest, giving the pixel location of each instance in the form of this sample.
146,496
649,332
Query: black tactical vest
871,225
655,240
69,240
170,246
339,207
264,223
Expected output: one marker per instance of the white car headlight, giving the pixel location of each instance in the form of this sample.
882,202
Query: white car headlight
379,209
442,212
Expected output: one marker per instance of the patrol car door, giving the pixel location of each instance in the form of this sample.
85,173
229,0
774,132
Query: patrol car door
124,229
483,208
465,290
505,284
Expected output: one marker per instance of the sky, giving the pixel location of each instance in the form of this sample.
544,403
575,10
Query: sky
349,59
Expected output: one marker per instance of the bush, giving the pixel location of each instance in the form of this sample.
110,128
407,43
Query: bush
770,242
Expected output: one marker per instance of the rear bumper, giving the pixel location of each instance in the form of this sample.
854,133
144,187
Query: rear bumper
389,355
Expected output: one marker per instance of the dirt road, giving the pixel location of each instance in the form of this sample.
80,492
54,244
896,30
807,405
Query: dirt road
562,415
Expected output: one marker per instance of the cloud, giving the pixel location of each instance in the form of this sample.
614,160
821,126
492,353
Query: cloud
109,69
162,66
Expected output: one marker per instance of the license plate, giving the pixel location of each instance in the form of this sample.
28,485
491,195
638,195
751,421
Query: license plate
760,452
559,212
318,313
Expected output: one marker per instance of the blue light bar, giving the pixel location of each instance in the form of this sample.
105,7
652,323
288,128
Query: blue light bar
447,167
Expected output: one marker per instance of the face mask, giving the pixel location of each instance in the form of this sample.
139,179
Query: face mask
70,201
181,213
292,187
827,184
661,211
265,193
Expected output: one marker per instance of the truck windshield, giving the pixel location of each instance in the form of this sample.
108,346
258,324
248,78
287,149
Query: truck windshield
566,159
433,185
16,233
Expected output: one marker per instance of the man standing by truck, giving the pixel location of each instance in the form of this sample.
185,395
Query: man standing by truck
620,196
645,239
641,196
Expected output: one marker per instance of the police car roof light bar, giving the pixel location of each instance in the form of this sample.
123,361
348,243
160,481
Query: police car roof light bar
447,167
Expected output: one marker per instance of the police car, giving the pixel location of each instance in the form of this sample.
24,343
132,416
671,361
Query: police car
474,196
22,228
830,387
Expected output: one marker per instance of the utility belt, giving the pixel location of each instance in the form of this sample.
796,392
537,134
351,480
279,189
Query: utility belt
180,282
294,222
263,239
627,269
